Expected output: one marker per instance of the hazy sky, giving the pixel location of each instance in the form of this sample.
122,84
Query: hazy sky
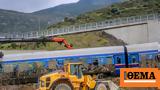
31,5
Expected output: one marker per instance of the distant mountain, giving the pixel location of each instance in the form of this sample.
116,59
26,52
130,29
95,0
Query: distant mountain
127,8
73,9
12,21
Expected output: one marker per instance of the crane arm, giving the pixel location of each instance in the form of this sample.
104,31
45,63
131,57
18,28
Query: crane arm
62,40
51,39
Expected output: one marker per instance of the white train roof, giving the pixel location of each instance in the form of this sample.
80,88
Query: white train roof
80,52
143,47
64,53
9,52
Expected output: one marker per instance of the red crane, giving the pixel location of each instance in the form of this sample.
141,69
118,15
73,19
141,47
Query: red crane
50,39
62,40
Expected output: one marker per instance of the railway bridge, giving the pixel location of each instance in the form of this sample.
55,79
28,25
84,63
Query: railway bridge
132,30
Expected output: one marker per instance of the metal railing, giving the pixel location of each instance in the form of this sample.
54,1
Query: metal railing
83,27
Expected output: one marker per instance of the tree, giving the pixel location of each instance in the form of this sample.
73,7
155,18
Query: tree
1,54
115,11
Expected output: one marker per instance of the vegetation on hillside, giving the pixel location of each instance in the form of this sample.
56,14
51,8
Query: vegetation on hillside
82,40
94,39
124,9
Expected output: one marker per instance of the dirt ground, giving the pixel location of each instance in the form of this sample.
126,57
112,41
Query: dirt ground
20,87
31,87
143,89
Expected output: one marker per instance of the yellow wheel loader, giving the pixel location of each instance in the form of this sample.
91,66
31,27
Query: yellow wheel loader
71,78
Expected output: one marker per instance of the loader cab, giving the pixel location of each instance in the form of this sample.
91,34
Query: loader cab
76,70
78,79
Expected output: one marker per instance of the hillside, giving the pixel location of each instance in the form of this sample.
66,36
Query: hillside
125,9
73,9
82,40
95,39
12,21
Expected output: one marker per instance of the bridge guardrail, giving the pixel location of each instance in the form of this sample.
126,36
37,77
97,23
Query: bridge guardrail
83,27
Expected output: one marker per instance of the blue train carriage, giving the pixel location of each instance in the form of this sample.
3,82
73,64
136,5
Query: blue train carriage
24,62
158,57
148,55
137,56
104,55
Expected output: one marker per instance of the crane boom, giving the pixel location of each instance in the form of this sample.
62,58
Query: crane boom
62,40
50,39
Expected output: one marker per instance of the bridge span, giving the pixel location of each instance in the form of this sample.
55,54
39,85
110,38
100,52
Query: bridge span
125,29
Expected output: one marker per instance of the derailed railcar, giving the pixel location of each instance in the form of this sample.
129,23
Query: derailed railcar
38,63
104,55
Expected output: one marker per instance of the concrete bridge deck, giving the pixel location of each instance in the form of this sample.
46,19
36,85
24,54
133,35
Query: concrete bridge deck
128,29
106,24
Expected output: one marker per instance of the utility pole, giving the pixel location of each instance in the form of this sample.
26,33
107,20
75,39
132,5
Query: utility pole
39,24
109,2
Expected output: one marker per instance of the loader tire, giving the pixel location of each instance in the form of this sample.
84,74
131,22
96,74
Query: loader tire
101,86
62,85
